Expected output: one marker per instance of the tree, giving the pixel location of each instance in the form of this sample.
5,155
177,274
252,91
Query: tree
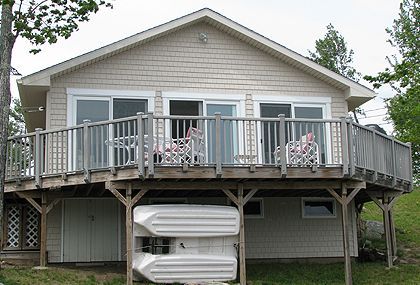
16,119
40,22
332,53
403,76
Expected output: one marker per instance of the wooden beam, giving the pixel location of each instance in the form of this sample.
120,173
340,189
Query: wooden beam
129,235
89,190
393,236
30,200
116,193
394,200
242,264
216,185
376,200
335,195
352,195
43,244
52,204
387,230
344,219
231,196
249,195
138,196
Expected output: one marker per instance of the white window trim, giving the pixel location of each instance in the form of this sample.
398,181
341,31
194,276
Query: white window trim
320,199
206,98
295,102
74,94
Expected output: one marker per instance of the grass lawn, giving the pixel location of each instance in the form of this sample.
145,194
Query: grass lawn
407,221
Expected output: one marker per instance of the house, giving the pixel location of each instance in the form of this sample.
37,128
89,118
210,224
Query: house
198,110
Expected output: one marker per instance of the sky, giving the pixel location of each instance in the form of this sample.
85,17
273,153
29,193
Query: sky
295,24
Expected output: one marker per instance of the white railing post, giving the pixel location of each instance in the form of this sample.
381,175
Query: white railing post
218,140
374,157
410,167
394,166
150,145
140,144
86,150
282,144
344,146
38,157
350,140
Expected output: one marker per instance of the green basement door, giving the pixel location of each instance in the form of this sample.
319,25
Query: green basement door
91,230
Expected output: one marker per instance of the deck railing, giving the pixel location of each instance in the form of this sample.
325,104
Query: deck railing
216,141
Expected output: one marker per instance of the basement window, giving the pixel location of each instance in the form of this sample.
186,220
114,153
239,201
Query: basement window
254,208
318,208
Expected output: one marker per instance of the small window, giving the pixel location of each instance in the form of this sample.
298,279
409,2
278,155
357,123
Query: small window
318,208
254,208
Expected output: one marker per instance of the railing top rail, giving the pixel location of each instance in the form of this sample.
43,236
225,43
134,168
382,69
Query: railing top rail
177,117
381,134
21,136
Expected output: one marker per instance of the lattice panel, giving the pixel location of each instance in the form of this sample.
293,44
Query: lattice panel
31,227
13,226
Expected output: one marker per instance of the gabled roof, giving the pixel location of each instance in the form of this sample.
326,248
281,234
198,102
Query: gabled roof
356,93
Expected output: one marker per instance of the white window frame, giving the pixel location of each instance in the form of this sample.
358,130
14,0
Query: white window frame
294,101
74,94
237,100
319,199
79,94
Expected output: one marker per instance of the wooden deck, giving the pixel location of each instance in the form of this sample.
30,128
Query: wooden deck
218,148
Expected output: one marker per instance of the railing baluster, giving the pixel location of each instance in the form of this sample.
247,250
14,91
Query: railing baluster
150,142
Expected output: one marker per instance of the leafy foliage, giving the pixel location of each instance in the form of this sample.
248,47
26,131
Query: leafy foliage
16,120
47,20
332,53
403,76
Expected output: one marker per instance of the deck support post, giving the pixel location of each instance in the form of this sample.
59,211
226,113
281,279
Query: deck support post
128,201
43,244
43,209
344,219
344,201
240,202
129,234
389,228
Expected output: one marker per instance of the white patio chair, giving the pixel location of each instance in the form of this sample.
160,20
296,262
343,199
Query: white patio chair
190,149
302,152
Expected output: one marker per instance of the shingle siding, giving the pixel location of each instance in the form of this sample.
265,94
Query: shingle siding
180,62
54,232
283,233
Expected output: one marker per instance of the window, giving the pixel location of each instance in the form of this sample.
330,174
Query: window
318,208
254,208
